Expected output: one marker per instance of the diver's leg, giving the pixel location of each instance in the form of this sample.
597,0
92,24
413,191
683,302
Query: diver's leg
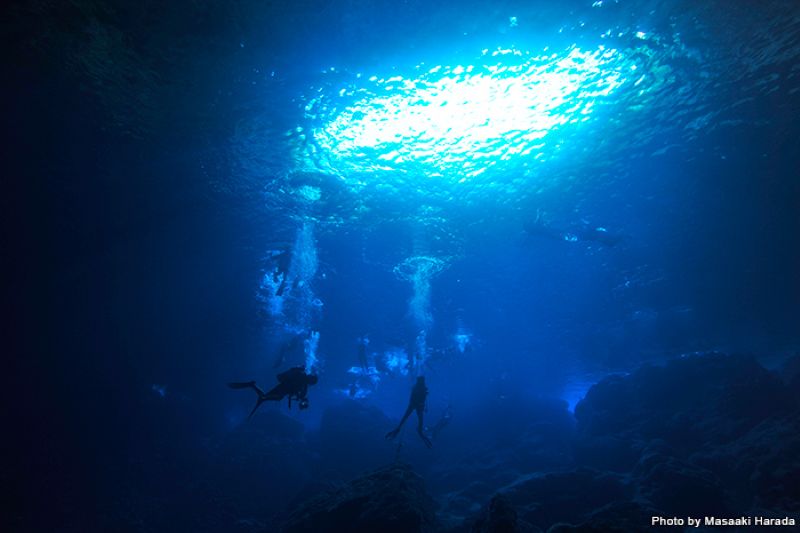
278,392
242,384
247,385
421,428
255,408
405,416
392,434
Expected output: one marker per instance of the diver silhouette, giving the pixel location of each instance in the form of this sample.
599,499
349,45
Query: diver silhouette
282,260
416,403
292,383
362,354
587,233
443,421
289,349
583,232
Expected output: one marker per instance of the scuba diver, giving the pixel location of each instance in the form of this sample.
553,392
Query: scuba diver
599,234
283,260
362,353
443,422
292,383
584,232
293,346
416,403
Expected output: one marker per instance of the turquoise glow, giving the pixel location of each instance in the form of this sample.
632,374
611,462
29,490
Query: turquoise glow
458,122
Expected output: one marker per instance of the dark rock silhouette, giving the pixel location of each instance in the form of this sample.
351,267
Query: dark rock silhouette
537,501
617,517
543,500
500,516
703,434
679,487
689,402
392,499
791,374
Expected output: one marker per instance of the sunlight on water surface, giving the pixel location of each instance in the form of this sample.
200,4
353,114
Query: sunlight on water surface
457,122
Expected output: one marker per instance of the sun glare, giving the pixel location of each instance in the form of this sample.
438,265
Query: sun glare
460,121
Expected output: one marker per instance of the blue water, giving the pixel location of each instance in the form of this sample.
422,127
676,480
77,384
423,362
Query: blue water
512,199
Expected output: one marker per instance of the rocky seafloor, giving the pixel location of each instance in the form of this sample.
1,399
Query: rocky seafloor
701,435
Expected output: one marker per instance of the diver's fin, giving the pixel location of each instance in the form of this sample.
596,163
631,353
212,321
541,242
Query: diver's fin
242,385
425,439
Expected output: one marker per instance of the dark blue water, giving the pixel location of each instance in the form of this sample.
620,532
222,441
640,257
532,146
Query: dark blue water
515,200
